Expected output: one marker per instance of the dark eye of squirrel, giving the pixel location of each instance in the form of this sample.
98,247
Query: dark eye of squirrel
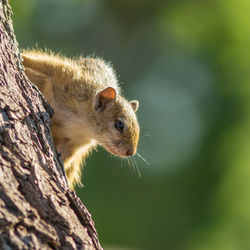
119,125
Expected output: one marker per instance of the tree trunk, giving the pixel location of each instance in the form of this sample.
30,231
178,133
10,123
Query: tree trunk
37,208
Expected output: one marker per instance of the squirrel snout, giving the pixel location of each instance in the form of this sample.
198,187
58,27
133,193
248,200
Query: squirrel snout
131,152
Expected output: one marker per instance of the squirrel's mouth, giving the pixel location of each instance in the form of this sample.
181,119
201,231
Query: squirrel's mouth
114,151
118,148
121,154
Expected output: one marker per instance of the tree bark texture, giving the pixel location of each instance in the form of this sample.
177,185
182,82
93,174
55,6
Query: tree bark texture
37,208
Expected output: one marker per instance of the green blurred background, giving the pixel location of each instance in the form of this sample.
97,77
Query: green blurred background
187,62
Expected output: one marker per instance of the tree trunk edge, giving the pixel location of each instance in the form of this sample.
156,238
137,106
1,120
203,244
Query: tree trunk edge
75,203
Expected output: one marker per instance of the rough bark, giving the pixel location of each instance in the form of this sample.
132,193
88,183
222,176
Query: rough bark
37,208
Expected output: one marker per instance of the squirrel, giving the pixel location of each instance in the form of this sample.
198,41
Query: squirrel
89,109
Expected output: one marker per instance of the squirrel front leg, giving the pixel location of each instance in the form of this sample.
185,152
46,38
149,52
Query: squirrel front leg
74,158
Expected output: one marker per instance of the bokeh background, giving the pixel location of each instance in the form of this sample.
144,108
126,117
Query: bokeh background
187,62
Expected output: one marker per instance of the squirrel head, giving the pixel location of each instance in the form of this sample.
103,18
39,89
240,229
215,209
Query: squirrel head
115,122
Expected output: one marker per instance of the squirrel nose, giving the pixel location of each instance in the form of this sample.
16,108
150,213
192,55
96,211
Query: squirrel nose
130,152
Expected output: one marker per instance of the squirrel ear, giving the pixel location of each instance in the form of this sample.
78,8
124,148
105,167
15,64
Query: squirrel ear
134,104
104,97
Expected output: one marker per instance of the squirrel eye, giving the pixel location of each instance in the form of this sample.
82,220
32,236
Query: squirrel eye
119,125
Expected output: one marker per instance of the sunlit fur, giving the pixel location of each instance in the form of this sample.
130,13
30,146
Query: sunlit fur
71,87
